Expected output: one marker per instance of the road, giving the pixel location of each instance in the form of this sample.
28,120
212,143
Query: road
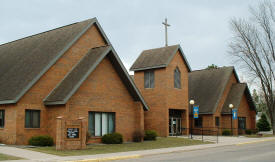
254,152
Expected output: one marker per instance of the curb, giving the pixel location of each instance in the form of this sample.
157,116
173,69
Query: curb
135,156
108,158
258,141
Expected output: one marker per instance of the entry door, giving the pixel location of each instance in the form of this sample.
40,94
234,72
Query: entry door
174,126
241,124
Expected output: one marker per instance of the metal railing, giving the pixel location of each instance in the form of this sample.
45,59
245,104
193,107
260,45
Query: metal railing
212,133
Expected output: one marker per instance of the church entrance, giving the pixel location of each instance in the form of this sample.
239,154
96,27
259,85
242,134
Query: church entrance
175,122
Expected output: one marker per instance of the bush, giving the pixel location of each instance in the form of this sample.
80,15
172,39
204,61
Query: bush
254,131
43,140
263,124
150,135
138,136
248,131
112,138
226,132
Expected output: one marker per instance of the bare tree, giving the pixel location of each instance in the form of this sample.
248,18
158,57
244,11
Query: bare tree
252,48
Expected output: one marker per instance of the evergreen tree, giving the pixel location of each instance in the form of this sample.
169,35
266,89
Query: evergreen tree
213,66
263,124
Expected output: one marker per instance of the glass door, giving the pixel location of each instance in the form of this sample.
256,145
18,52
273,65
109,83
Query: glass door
241,125
174,126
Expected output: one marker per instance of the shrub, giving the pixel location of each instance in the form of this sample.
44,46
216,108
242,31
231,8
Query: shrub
254,131
112,138
248,131
263,124
43,140
150,135
138,136
226,132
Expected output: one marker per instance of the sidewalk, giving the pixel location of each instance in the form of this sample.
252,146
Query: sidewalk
36,156
26,154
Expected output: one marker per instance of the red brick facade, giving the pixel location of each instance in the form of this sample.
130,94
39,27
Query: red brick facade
102,91
225,119
164,96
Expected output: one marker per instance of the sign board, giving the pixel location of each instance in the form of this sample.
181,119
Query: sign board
234,114
196,112
72,132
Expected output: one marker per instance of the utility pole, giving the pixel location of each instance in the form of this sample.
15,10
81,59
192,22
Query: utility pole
166,35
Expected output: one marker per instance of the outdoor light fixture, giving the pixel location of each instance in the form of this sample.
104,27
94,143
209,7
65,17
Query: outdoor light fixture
231,106
192,102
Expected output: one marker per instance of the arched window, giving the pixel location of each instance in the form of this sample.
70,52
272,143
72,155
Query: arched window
149,79
177,80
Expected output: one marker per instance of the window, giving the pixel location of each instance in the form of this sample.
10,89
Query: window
198,122
242,122
2,118
32,118
217,121
101,123
149,79
177,78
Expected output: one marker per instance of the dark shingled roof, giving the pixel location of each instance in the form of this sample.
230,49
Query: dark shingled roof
235,96
206,87
73,80
76,76
24,61
157,58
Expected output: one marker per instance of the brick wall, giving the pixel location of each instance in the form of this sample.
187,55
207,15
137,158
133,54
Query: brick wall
225,120
103,91
33,99
8,133
245,111
164,96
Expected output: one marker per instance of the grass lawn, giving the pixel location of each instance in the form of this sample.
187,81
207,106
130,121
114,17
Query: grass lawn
8,157
100,149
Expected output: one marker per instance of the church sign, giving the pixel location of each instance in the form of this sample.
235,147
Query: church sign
72,133
234,114
196,112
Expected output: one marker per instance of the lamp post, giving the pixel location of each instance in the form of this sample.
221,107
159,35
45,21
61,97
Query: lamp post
231,106
191,102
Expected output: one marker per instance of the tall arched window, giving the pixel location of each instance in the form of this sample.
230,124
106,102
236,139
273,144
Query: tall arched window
177,80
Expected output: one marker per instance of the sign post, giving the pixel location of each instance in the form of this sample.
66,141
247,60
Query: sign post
234,117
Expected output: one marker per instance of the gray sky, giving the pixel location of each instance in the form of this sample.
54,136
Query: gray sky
200,27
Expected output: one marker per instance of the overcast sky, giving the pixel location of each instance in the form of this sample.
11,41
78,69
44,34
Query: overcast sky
201,27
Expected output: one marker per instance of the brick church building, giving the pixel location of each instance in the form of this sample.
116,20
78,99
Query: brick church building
73,72
167,83
213,90
161,75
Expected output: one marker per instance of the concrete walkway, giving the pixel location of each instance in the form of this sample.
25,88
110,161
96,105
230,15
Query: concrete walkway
36,156
26,154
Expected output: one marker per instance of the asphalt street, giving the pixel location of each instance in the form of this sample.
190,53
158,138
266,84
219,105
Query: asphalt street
254,152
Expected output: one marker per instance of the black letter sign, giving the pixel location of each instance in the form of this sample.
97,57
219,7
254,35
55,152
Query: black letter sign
72,132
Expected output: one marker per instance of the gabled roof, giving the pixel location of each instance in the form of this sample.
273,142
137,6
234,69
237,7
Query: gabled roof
157,58
24,61
235,96
206,87
73,80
